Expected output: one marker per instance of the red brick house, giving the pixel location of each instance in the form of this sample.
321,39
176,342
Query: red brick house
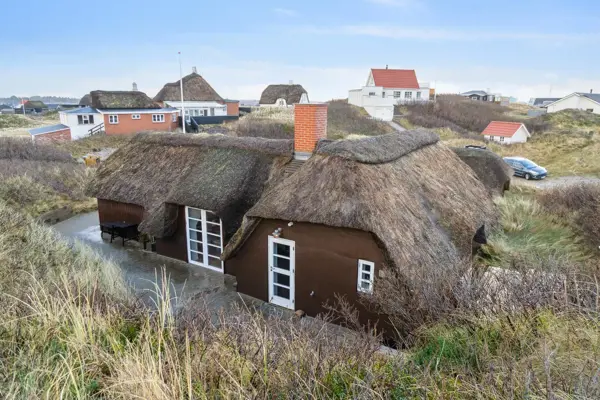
128,112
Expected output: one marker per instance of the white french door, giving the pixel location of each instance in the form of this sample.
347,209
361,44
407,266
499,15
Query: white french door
282,262
204,232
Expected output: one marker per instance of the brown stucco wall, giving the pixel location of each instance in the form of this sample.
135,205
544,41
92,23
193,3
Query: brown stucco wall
175,246
114,211
326,263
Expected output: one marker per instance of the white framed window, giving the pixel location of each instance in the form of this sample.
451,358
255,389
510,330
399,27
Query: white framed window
158,117
366,272
589,110
113,119
397,94
282,265
382,94
136,116
418,95
204,232
408,95
85,119
372,93
174,117
281,103
501,139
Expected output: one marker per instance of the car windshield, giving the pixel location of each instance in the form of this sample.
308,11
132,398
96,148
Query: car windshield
528,164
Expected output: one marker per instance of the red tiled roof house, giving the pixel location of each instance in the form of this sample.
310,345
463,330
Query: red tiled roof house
386,88
506,132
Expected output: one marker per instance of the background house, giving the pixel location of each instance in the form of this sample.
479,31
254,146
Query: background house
32,107
283,96
386,88
506,132
479,95
542,101
82,121
199,98
578,101
6,109
127,112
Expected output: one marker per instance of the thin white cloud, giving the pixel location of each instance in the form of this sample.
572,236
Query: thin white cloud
424,33
395,3
286,12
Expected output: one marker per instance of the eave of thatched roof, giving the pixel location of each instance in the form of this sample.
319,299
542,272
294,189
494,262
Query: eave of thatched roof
417,198
86,100
226,175
489,167
291,94
195,88
115,100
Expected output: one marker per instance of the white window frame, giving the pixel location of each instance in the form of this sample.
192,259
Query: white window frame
205,244
113,119
397,94
418,95
360,279
280,301
501,139
372,94
136,116
174,117
408,95
158,118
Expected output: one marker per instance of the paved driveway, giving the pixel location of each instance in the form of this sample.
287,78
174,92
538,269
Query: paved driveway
142,269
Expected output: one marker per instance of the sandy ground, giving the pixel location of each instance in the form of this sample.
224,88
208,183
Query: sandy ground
33,123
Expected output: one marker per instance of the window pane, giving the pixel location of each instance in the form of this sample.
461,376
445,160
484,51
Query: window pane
214,262
366,267
212,217
212,239
212,228
91,119
281,292
194,213
281,279
195,246
281,249
197,225
196,235
214,251
282,263
365,285
80,119
366,276
196,257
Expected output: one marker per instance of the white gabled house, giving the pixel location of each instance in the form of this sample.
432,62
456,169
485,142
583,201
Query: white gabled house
506,132
578,101
82,121
386,88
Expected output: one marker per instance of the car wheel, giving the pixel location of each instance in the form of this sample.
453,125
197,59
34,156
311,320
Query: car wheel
527,176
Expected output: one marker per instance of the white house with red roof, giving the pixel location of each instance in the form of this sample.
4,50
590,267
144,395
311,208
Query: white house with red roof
386,88
506,132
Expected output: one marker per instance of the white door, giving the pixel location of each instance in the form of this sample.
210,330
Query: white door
281,272
204,232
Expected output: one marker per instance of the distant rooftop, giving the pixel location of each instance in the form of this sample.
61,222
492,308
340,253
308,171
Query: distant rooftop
48,129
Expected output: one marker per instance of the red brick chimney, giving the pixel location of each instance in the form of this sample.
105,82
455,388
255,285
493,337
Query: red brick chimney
310,125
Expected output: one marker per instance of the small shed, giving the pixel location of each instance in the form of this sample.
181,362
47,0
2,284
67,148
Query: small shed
505,132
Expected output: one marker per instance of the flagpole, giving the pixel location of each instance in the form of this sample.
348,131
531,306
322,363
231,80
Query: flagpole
181,85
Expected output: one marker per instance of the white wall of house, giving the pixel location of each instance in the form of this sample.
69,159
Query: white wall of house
78,130
574,101
199,108
520,136
378,101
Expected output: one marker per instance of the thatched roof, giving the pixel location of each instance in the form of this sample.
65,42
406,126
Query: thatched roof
291,94
195,88
30,104
121,100
86,100
489,167
223,174
421,203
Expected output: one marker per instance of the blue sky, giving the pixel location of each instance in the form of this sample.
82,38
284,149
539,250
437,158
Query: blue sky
522,48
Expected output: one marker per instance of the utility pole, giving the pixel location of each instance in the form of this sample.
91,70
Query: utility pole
181,85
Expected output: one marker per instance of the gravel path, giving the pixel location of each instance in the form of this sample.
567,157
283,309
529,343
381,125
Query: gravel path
554,182
396,126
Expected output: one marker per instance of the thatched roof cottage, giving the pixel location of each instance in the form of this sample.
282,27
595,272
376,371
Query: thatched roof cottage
283,96
199,98
491,169
297,223
175,185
